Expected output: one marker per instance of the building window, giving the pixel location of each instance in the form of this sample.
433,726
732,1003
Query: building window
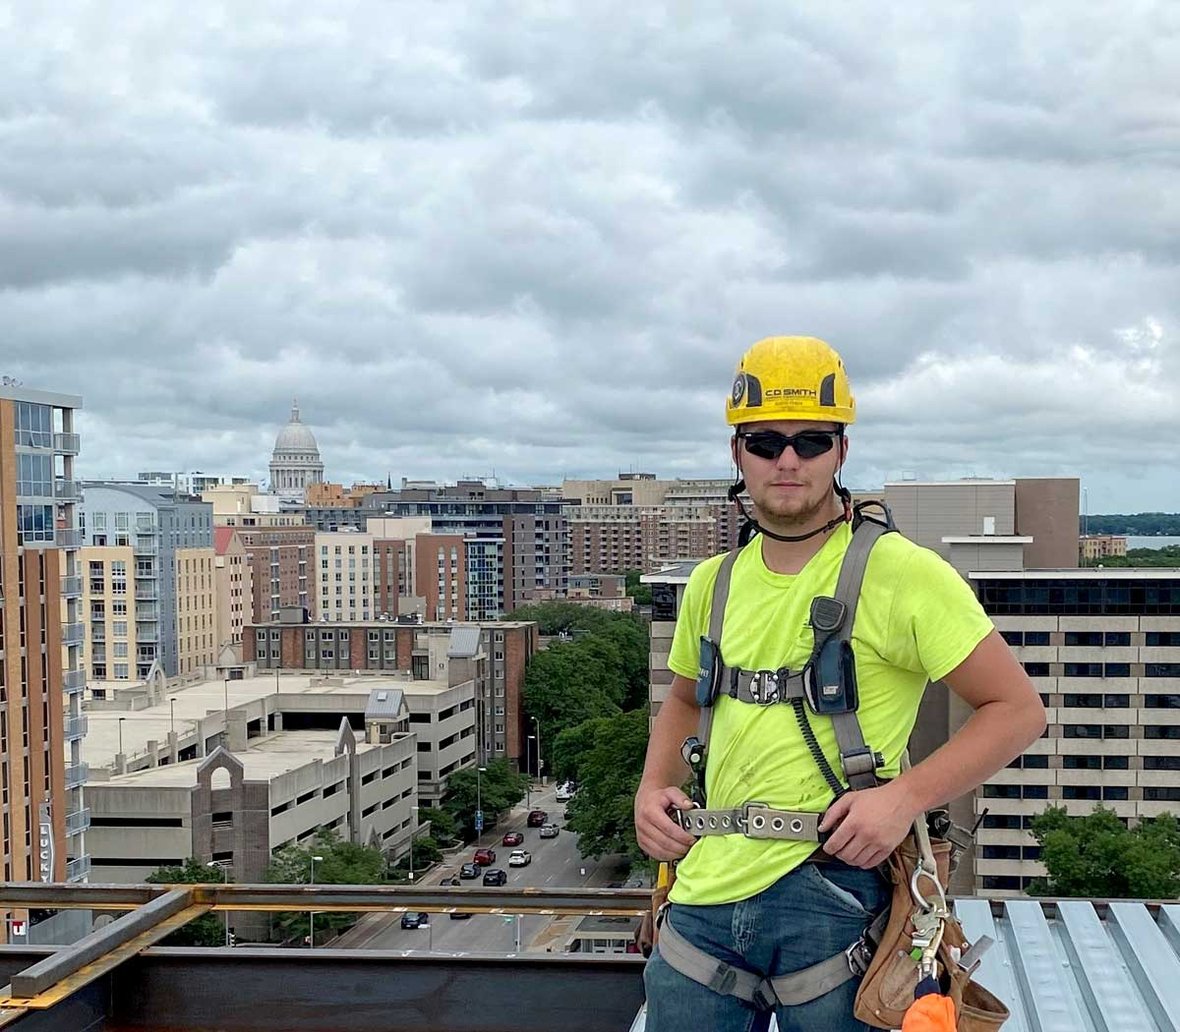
1036,669
1116,639
1091,639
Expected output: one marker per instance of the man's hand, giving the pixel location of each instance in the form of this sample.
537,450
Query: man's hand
659,836
869,824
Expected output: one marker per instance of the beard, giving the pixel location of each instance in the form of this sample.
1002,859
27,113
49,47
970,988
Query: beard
796,512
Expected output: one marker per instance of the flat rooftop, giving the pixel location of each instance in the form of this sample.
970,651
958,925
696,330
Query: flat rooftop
187,704
266,758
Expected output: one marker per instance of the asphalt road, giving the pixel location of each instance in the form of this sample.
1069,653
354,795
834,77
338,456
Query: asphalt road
556,863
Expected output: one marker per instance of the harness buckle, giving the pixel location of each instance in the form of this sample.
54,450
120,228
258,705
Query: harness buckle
765,998
766,686
859,956
757,820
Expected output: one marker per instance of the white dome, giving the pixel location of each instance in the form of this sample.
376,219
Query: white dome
295,436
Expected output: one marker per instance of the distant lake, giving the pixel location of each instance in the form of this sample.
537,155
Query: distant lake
1152,542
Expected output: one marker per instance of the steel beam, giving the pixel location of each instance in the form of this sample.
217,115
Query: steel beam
338,898
148,924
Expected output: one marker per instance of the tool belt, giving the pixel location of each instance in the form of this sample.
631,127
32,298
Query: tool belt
919,921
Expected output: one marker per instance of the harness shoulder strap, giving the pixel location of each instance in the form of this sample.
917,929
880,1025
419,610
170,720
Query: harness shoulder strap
716,622
858,761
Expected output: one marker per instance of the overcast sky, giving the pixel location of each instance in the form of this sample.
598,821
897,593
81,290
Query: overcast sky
533,238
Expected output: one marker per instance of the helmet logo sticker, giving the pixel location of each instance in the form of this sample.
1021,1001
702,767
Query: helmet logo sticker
739,389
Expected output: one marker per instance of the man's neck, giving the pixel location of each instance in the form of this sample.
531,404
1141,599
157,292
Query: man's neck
792,556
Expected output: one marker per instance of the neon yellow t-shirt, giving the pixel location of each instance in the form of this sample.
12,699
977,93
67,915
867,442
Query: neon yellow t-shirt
916,621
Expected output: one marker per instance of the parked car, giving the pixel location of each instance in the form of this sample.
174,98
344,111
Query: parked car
565,815
458,915
537,818
520,858
512,838
564,794
495,876
412,919
549,831
469,871
484,857
449,881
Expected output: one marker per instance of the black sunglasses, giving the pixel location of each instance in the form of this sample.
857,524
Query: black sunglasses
770,444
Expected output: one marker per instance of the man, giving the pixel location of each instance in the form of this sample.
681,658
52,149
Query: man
768,905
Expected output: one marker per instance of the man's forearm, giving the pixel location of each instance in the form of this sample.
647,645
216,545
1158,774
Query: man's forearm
675,722
995,734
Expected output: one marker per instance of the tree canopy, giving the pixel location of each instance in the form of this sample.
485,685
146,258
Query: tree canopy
1139,524
206,930
1097,856
605,756
343,863
497,789
1168,556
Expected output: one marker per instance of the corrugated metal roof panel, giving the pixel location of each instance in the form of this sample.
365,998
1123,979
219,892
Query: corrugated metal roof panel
464,642
1076,966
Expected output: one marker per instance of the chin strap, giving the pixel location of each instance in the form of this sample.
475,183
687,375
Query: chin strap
751,526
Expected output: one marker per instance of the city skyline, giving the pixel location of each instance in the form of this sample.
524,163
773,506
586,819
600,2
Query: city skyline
536,245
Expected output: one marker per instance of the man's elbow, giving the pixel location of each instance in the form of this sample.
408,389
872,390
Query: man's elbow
1035,721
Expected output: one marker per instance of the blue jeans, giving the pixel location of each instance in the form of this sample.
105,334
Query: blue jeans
805,917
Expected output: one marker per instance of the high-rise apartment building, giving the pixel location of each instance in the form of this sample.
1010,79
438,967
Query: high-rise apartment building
523,530
1103,649
280,568
234,583
157,524
637,522
196,610
346,575
41,673
109,614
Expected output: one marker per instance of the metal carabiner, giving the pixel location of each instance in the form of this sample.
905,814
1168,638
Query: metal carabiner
939,906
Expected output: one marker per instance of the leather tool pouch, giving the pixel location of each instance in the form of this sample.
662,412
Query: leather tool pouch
648,932
887,989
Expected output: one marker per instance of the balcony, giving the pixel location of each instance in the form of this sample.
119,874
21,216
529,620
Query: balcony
146,632
98,633
67,444
77,870
68,538
71,587
67,490
72,634
146,592
147,526
74,680
147,545
149,613
78,822
75,728
76,775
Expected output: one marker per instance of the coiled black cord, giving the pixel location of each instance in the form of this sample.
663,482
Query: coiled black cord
817,753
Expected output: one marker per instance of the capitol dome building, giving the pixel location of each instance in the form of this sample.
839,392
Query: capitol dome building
296,460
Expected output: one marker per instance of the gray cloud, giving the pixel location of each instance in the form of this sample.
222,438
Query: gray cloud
534,239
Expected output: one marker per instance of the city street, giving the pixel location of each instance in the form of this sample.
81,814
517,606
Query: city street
556,864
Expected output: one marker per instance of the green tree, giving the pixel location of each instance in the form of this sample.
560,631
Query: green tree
1097,856
497,789
343,863
425,853
640,592
206,930
607,753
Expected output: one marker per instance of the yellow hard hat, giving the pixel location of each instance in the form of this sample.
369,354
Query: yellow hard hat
790,378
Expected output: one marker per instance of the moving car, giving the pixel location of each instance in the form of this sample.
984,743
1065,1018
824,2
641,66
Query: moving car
469,871
512,838
484,857
520,858
549,831
537,818
564,794
495,876
412,919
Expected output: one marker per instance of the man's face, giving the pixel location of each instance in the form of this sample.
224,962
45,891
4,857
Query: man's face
789,489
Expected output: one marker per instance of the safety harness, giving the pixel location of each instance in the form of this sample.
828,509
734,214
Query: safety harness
827,684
